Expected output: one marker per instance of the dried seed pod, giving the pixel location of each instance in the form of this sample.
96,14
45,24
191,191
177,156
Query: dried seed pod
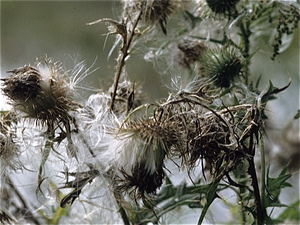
191,51
41,93
223,65
140,162
8,149
127,97
154,11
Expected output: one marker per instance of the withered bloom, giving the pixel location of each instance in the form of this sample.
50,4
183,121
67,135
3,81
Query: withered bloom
190,51
41,93
154,11
8,149
142,158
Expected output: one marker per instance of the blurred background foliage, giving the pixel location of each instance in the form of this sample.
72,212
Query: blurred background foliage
58,29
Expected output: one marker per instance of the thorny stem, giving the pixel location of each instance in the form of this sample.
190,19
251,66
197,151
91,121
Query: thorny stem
252,172
263,171
121,62
245,37
124,215
259,209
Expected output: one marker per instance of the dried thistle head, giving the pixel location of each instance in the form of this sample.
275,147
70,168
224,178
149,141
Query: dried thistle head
223,65
190,51
41,92
142,159
8,149
154,11
128,97
203,133
139,183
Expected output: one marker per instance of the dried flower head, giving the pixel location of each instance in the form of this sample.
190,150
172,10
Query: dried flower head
223,65
190,51
127,97
8,149
154,11
41,92
141,162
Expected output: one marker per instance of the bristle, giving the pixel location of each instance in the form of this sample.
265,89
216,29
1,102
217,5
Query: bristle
223,65
222,6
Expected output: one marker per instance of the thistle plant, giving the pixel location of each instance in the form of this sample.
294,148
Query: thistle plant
110,158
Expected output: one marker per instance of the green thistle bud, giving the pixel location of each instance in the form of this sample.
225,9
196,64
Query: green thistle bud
222,6
223,65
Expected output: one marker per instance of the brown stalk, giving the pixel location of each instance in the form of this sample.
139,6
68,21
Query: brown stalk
124,54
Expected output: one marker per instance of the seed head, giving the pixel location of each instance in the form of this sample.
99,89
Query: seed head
8,149
41,92
141,160
154,11
190,51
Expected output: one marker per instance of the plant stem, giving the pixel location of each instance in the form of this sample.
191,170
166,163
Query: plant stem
124,215
260,213
259,209
245,37
122,58
263,171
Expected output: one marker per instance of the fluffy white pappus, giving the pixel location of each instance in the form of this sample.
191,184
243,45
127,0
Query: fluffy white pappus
112,148
127,150
79,72
95,205
95,119
185,83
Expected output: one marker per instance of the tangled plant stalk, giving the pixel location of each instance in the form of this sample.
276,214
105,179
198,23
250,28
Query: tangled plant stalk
114,151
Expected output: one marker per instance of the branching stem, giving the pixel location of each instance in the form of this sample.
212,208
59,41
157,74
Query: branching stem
121,62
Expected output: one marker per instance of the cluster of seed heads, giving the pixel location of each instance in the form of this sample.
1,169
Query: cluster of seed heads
185,127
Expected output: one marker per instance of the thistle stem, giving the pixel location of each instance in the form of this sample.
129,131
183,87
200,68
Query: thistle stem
259,209
263,171
252,172
122,58
245,37
124,215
